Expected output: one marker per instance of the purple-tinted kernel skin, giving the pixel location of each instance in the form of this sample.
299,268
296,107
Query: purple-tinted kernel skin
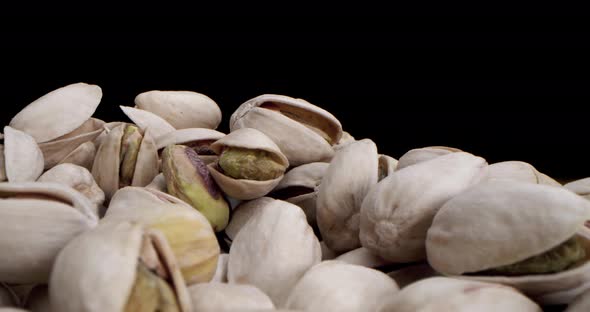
203,172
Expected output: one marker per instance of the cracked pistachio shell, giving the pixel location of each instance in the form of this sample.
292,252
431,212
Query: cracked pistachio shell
76,177
580,187
188,232
182,109
7,297
198,139
363,257
300,185
397,212
44,217
304,132
447,294
500,223
251,140
241,214
97,270
350,175
23,159
213,297
518,171
417,155
38,299
273,250
44,118
82,156
107,163
58,149
144,119
413,273
221,271
338,286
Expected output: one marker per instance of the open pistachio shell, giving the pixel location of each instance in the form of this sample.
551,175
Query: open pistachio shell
22,157
352,172
38,299
505,224
300,185
198,139
144,119
338,286
56,150
304,132
246,140
363,257
7,297
182,109
580,187
273,250
446,294
82,156
518,171
398,211
44,217
417,155
100,269
211,297
241,214
44,118
76,177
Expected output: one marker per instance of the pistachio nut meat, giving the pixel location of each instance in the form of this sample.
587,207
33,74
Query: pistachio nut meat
304,132
273,250
519,171
338,286
76,177
188,232
397,212
118,267
199,139
250,164
22,158
126,157
188,178
36,221
525,235
418,155
182,109
211,297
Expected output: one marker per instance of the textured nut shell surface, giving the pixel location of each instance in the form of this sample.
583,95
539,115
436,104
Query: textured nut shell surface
76,177
182,109
338,286
242,213
363,257
44,120
499,223
397,212
144,119
23,160
212,297
350,175
418,155
273,250
183,136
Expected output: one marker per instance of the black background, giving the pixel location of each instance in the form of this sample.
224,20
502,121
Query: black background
504,88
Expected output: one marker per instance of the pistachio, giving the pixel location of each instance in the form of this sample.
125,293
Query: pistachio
580,187
221,271
210,297
23,160
150,293
518,171
241,214
199,139
128,154
144,119
82,156
418,155
188,178
241,163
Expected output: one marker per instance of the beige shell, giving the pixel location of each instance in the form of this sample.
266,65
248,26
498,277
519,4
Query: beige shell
36,221
580,187
189,136
76,177
7,297
304,132
518,171
300,185
221,271
23,159
363,257
447,295
182,109
82,156
241,188
158,183
580,304
273,250
412,273
106,129
96,271
144,119
58,112
352,172
341,287
214,297
58,149
38,299
241,214
417,155
398,211
107,162
387,165
196,254
344,140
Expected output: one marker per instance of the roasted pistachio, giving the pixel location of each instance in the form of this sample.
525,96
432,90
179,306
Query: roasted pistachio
242,163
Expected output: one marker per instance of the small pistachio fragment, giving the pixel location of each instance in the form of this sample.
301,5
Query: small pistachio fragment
188,178
242,163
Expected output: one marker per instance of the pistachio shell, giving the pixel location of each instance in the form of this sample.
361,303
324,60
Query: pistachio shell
337,286
411,274
187,136
96,271
351,174
518,171
398,211
221,271
363,257
273,250
144,119
242,214
2,164
82,156
250,139
581,304
23,158
56,150
304,132
211,297
76,177
146,167
580,187
387,165
182,109
417,155
107,127
158,183
344,140
44,217
38,299
44,118
7,297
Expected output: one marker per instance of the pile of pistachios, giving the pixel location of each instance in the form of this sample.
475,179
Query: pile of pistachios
286,212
